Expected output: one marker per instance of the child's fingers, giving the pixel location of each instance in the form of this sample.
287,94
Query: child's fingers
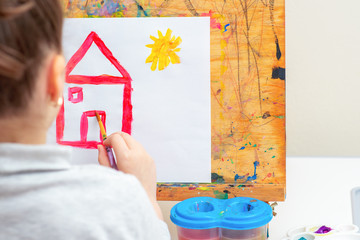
121,149
130,141
102,156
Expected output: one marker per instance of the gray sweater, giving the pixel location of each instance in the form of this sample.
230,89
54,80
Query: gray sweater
43,197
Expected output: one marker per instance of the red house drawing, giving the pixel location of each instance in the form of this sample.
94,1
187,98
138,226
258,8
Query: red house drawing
76,94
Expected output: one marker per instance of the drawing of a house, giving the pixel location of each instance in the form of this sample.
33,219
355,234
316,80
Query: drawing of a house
76,95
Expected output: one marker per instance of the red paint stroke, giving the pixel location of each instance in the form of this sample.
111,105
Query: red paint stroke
84,123
213,21
95,80
79,144
84,143
267,176
72,92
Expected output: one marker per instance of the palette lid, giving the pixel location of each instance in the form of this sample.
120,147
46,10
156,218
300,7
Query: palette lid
240,213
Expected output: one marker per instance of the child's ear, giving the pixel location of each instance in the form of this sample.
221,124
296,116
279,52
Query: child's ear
56,79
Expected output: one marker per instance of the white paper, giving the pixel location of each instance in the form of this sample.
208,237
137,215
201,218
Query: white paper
171,108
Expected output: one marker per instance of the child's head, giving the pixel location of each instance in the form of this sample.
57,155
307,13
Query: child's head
30,55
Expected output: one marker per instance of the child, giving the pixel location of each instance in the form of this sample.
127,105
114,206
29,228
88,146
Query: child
41,195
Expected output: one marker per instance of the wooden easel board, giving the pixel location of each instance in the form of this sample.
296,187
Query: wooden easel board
247,90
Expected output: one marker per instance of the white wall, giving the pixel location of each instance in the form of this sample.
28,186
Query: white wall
323,77
318,192
323,114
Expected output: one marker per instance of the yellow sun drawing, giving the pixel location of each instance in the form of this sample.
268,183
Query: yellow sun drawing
163,50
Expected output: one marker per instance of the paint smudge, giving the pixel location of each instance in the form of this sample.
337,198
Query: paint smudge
253,177
163,50
141,10
215,20
278,52
269,149
266,115
323,230
267,176
104,9
238,177
225,27
217,178
249,178
271,8
278,73
221,195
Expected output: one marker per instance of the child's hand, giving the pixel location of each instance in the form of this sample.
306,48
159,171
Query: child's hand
132,158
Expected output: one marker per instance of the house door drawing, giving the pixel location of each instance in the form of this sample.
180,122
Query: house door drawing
77,95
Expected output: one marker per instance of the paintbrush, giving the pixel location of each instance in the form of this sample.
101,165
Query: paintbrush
104,136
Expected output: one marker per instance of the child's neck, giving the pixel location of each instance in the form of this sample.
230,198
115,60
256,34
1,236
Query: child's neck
21,130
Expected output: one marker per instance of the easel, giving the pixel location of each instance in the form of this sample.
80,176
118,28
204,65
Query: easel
247,91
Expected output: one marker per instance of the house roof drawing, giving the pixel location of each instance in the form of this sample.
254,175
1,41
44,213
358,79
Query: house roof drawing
103,79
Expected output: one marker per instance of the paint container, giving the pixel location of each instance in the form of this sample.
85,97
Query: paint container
301,236
203,234
347,228
259,233
344,236
205,218
296,230
304,236
327,232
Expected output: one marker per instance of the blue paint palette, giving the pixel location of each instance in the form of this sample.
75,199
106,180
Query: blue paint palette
235,218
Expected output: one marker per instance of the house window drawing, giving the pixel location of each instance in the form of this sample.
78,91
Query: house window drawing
77,95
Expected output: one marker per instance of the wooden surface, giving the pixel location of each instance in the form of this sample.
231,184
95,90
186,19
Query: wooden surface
247,90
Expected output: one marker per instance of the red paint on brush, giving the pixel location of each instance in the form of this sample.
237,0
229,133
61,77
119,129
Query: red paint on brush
95,80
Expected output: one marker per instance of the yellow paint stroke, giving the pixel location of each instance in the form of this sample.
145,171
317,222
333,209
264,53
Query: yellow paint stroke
223,43
221,116
222,56
163,51
223,69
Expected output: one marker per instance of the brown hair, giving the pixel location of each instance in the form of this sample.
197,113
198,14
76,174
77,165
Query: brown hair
28,30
